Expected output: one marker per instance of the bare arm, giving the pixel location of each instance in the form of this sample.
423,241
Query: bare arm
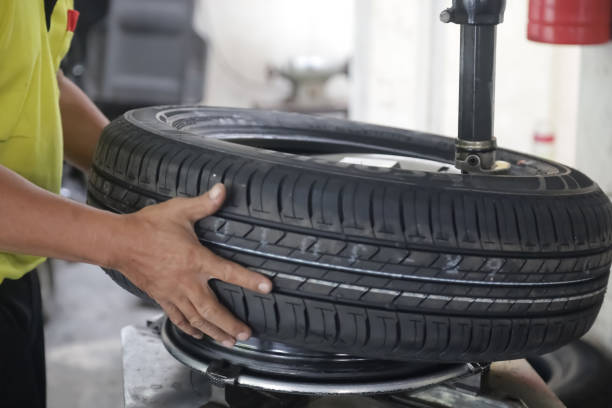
82,123
156,248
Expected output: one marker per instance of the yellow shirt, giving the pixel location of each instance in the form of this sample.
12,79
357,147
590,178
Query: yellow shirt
34,37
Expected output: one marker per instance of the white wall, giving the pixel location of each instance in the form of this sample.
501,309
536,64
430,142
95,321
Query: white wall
406,63
407,70
594,122
248,35
392,64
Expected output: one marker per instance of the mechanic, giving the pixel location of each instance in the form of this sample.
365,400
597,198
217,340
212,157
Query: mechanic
44,116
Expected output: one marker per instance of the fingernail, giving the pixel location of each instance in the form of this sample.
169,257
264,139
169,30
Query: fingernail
264,287
242,336
215,192
199,336
227,343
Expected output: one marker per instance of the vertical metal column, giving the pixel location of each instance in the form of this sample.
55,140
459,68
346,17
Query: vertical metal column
476,82
475,151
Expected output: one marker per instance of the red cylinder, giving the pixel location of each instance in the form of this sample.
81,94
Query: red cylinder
570,21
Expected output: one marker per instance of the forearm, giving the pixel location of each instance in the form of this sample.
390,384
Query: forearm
155,248
82,124
36,222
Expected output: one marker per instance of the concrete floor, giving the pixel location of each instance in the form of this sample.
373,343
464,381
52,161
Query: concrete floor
83,345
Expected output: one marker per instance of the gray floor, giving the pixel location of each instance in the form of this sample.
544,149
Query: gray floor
82,337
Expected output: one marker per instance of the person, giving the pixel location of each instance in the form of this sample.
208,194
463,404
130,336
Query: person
44,117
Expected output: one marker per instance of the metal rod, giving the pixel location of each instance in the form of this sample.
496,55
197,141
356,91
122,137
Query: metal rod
475,149
477,83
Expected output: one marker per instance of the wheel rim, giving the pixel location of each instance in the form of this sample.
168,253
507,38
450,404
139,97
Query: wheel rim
329,379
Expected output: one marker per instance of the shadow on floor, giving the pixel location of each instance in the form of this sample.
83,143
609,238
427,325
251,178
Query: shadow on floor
83,346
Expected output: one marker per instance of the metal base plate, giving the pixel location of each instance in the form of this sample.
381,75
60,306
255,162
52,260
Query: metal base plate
278,368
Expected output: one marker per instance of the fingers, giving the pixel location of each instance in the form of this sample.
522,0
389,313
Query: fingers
196,320
207,204
179,319
209,308
233,273
185,316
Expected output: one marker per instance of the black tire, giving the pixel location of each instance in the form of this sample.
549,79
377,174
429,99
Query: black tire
578,373
383,263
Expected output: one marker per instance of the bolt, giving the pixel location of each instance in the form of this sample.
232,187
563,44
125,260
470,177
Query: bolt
473,161
446,16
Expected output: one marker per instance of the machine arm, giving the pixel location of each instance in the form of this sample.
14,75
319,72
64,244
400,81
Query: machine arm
475,150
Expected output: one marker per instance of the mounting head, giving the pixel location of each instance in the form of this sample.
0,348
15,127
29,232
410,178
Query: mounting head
475,151
475,12
478,157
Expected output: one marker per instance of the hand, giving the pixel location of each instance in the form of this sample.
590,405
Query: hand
164,258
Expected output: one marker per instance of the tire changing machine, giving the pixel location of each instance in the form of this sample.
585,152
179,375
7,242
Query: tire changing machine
169,373
258,374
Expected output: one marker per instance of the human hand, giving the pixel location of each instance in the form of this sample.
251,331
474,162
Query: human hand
163,257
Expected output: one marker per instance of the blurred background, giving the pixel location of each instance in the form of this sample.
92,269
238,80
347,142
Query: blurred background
389,62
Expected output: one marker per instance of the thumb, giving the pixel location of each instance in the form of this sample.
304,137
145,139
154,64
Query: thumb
207,204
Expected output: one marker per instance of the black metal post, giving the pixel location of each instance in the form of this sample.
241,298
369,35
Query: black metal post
476,143
476,82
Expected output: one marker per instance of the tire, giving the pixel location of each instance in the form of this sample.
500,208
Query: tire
380,263
578,373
